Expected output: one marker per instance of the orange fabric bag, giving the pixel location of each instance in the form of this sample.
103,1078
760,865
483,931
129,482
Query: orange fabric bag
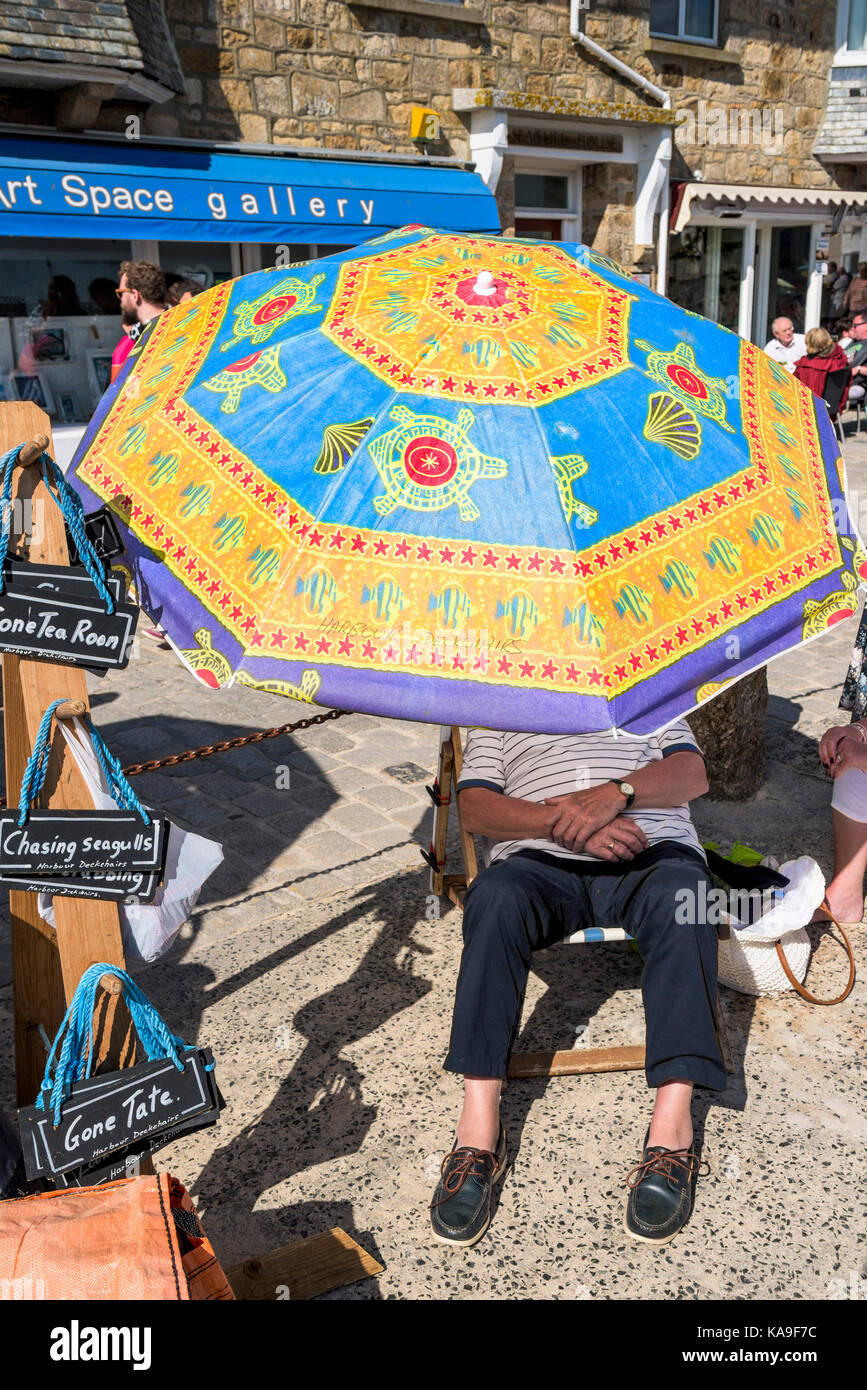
116,1241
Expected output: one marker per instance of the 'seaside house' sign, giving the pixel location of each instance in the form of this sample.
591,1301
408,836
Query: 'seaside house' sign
81,841
121,1109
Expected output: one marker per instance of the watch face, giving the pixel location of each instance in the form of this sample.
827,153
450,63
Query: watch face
627,789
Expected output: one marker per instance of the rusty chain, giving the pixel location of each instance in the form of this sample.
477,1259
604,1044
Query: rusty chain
224,745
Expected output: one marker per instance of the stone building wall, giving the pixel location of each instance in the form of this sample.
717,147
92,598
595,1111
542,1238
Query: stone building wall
344,76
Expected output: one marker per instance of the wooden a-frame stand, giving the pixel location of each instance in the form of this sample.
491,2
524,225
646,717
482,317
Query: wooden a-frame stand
47,962
572,1062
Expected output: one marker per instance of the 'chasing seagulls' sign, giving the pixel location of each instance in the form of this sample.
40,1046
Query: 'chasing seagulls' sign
52,842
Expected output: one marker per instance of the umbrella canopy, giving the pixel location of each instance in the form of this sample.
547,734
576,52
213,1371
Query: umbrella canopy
471,480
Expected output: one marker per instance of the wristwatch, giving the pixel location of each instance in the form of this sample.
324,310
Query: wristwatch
626,789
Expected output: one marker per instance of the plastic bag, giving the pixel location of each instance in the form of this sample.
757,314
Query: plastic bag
749,959
147,929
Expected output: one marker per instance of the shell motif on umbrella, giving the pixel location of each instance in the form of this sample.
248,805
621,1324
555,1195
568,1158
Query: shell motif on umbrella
471,480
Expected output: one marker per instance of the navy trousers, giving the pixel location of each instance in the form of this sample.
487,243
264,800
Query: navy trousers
532,900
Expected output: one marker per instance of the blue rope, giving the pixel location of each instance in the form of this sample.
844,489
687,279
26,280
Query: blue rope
72,510
37,765
7,464
72,1059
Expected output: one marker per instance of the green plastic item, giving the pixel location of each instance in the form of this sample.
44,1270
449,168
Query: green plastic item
741,853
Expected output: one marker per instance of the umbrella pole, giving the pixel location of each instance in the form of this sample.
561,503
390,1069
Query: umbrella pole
47,963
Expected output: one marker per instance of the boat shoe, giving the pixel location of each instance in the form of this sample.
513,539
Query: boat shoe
461,1206
661,1192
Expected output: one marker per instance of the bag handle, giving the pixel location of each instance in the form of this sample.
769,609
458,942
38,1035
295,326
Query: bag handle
805,993
37,764
72,1054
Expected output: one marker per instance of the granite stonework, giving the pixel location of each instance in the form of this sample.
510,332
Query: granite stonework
331,75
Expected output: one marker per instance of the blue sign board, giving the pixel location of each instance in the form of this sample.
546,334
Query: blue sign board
58,188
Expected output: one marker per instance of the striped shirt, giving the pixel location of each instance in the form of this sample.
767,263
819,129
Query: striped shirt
536,766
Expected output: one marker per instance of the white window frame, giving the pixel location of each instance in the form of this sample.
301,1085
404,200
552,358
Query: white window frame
683,37
570,216
846,56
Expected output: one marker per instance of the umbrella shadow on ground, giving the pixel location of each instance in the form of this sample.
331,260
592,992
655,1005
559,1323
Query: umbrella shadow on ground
319,1112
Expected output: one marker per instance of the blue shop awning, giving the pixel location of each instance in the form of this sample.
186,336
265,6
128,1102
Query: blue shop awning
59,188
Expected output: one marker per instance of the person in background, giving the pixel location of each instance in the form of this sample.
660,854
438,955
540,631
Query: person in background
858,360
839,285
179,289
61,298
823,355
843,754
842,331
786,346
827,284
855,298
102,295
142,297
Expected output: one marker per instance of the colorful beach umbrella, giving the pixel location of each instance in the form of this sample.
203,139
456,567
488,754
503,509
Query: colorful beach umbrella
471,480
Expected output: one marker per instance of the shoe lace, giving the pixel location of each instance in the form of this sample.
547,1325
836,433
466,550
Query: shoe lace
462,1164
664,1162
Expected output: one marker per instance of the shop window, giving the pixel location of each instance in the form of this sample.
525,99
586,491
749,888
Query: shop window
693,21
59,322
207,263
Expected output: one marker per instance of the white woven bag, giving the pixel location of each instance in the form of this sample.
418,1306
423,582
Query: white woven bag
772,955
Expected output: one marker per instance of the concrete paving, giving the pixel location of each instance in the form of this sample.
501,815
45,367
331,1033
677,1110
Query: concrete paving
317,967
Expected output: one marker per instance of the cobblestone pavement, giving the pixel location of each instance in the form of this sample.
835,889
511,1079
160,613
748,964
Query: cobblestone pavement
317,968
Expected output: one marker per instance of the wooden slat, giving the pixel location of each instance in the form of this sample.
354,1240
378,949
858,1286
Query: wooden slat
441,814
576,1063
468,844
302,1270
45,975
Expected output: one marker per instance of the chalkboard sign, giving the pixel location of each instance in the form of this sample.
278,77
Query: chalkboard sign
102,532
126,1162
140,887
60,626
117,1111
81,841
22,577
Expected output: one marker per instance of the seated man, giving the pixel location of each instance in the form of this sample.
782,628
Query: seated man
566,859
786,346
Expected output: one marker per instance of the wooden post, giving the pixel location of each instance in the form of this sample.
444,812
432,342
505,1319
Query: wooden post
47,964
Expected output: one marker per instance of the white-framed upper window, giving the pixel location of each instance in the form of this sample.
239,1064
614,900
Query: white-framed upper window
851,33
693,21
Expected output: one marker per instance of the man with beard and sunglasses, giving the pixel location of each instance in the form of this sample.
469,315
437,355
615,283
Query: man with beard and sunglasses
142,297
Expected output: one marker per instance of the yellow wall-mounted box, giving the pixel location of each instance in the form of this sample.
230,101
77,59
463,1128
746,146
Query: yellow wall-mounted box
424,124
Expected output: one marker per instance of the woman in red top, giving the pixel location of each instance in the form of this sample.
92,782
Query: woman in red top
823,356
